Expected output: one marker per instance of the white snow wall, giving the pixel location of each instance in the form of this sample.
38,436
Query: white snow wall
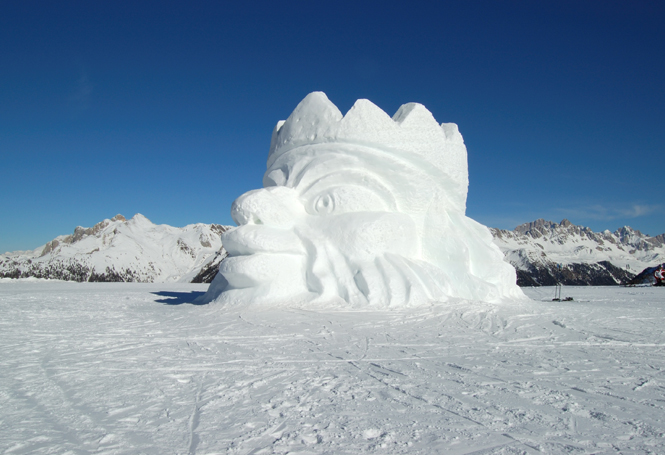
362,210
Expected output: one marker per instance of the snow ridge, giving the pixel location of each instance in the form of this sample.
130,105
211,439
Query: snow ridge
537,248
118,249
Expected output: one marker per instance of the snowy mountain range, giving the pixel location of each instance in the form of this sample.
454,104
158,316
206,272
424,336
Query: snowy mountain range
118,249
544,253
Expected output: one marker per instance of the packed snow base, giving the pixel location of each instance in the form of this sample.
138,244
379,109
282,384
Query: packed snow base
126,368
360,210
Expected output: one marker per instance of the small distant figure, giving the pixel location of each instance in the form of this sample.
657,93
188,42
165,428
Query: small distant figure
659,275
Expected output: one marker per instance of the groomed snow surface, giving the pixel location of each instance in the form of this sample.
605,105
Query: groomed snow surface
126,368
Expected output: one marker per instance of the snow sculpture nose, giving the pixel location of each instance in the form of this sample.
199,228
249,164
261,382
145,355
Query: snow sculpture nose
276,206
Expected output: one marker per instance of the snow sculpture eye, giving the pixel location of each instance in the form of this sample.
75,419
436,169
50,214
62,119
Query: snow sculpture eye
324,204
345,199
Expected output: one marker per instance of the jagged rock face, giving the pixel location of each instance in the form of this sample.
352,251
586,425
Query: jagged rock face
545,253
209,271
118,249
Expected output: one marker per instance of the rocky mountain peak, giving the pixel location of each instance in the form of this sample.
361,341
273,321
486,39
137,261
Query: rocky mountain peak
118,249
537,249
627,231
535,228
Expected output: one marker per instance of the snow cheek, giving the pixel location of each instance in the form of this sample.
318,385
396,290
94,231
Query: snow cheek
364,236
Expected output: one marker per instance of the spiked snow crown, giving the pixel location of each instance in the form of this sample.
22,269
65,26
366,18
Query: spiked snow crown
411,131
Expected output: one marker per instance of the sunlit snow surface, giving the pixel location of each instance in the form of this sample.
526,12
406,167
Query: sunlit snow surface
130,368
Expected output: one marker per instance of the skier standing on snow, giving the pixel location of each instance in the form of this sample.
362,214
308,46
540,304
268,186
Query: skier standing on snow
659,274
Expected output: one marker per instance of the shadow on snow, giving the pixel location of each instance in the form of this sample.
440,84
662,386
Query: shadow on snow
178,298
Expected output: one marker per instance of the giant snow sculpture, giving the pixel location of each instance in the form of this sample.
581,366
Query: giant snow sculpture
360,210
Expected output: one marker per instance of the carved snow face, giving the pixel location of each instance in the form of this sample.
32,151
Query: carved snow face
333,228
361,208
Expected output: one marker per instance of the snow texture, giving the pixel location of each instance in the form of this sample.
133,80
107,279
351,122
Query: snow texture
121,250
129,368
361,210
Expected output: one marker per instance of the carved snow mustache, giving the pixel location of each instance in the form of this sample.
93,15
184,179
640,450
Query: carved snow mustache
259,238
276,232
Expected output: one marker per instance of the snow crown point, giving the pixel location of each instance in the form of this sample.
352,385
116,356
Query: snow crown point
415,114
365,115
451,130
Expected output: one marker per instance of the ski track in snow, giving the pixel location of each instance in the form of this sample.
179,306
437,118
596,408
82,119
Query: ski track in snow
109,368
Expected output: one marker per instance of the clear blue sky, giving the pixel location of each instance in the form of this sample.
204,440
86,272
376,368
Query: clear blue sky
166,108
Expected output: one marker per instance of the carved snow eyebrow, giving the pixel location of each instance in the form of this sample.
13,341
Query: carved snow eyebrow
346,157
350,179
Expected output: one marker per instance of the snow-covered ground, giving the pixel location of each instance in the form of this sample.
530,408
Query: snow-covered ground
127,368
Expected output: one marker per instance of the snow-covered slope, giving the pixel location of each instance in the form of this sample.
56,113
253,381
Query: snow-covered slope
586,257
132,368
121,250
